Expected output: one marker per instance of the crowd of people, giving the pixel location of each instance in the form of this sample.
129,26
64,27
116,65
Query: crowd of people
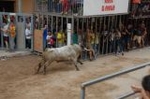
141,9
116,40
62,6
9,33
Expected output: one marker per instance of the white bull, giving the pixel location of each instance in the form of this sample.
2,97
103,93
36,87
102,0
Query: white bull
65,53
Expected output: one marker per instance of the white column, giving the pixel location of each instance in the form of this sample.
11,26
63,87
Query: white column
19,6
68,33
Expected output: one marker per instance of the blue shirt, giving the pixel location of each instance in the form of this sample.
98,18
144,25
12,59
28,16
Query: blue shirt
45,34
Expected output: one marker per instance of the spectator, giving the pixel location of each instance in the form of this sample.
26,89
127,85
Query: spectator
145,89
60,38
28,36
44,36
90,37
119,45
5,35
65,6
12,31
97,41
144,33
75,37
50,40
112,41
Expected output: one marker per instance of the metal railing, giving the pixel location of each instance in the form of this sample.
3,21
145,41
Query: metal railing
103,78
126,95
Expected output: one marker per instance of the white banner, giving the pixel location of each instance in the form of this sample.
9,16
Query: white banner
105,7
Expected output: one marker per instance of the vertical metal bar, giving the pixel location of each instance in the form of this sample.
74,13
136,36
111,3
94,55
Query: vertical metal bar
20,6
32,31
77,25
95,34
47,20
103,36
52,23
107,38
72,27
110,30
16,20
1,20
56,19
115,22
82,93
62,22
99,36
24,22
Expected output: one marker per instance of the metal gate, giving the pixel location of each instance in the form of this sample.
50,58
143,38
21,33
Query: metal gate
103,28
21,21
80,25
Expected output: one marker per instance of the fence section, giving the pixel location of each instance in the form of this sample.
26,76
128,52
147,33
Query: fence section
104,78
21,22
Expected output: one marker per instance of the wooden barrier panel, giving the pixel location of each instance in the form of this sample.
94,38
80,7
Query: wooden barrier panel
38,40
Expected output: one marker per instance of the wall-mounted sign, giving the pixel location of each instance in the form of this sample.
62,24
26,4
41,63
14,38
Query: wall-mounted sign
105,7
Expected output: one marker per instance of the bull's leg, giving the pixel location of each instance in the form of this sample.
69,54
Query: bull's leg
79,61
76,67
75,63
45,66
44,71
39,66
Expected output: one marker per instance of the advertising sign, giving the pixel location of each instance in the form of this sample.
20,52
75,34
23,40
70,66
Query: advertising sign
105,7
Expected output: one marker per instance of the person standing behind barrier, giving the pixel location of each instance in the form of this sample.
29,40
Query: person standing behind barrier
44,36
65,6
90,40
138,36
119,45
144,33
75,37
5,35
60,38
12,32
50,40
145,89
28,36
97,41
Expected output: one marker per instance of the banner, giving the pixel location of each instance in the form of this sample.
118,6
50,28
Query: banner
105,7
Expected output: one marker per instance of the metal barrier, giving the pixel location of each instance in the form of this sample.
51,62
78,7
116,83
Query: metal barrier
20,20
126,95
88,83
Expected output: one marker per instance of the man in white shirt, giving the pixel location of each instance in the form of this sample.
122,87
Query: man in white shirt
28,36
5,35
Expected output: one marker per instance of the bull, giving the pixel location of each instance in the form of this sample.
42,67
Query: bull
66,53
